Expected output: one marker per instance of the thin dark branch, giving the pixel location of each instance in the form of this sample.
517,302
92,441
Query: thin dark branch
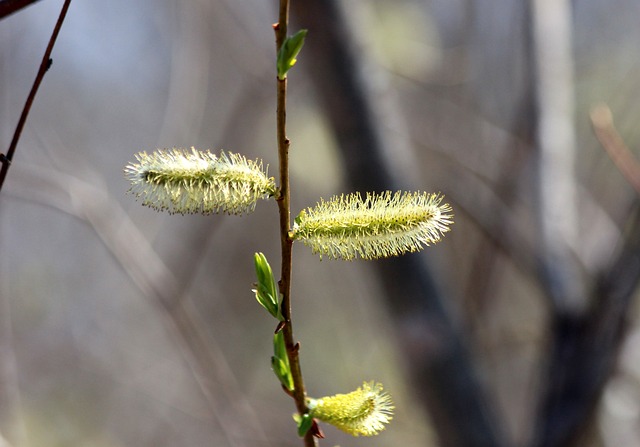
44,66
8,7
284,207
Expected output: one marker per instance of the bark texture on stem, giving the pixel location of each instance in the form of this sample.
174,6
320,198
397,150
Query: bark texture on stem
284,206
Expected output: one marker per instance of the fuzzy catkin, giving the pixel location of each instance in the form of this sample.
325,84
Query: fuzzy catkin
188,182
378,226
365,411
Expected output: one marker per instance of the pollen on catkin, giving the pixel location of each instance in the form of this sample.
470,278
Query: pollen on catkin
364,411
192,181
378,226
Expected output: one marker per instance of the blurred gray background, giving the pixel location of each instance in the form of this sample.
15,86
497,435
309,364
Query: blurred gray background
91,353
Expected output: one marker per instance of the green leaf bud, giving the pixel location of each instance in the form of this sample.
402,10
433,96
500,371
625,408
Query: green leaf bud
280,362
267,292
288,52
305,422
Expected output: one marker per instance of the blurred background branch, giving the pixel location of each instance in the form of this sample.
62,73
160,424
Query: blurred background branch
612,143
157,283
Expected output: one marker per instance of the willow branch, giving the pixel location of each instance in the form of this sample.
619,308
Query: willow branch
5,159
284,206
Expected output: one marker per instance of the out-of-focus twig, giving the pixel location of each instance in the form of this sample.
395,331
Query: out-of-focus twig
10,393
150,274
627,164
4,442
6,159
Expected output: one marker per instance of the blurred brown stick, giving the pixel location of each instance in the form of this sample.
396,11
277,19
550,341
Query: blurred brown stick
627,164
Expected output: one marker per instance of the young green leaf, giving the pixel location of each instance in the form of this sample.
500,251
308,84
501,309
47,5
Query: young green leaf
288,52
279,348
282,372
304,424
267,292
280,362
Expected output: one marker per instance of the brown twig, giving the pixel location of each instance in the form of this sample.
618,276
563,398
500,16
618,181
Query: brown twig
299,392
627,164
5,159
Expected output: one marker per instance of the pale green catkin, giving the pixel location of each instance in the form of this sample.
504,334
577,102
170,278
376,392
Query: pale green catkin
378,226
192,181
365,411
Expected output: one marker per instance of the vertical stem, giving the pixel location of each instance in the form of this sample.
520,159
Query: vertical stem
299,392
283,23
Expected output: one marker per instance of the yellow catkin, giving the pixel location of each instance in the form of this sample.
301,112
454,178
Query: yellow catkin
192,181
376,226
365,411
